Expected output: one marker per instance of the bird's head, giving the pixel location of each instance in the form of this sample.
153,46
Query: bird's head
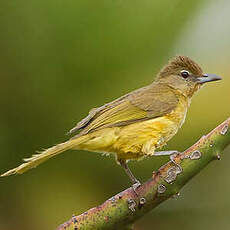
185,75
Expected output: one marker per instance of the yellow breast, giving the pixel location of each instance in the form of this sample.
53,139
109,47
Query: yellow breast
144,137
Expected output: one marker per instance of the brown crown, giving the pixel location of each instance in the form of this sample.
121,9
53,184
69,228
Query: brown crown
178,63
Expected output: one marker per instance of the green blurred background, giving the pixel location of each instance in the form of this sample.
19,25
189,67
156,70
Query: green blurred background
60,58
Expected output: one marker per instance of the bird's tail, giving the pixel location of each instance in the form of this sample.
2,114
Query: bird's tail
37,159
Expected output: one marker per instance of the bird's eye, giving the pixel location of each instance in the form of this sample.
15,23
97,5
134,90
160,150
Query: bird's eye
184,73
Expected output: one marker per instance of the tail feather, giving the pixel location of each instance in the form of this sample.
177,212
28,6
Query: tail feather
37,159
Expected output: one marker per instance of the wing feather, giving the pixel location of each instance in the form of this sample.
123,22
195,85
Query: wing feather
146,103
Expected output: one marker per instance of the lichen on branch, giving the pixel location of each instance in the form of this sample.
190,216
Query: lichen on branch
123,209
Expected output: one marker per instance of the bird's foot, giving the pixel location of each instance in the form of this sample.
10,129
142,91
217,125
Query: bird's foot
172,154
136,185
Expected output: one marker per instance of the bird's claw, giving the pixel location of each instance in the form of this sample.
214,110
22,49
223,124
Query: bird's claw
135,186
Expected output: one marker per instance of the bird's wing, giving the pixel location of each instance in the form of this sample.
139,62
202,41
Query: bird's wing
143,104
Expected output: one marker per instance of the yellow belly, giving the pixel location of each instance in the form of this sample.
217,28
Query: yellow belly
143,138
139,139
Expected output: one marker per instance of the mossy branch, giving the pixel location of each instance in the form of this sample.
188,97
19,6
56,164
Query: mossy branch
123,209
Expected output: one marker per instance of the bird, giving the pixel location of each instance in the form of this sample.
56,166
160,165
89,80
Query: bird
135,125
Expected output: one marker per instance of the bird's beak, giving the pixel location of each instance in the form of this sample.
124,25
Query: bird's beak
208,77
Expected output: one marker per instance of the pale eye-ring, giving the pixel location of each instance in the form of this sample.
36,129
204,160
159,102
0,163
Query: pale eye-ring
184,73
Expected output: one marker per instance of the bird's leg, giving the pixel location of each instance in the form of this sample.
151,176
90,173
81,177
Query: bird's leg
171,154
136,183
165,153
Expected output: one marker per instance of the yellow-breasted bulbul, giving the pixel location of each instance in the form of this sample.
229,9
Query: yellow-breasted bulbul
136,124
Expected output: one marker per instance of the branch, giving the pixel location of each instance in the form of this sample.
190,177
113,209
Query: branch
123,209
